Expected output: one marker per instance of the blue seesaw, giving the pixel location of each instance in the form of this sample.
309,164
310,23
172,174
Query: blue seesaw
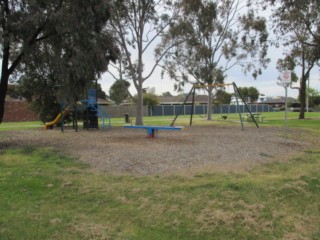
152,131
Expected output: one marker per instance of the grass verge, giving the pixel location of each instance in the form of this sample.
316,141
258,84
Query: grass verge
48,196
7,126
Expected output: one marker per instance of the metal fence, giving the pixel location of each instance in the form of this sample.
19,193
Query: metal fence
202,109
120,111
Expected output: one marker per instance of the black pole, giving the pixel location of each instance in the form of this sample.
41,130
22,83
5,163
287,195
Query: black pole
192,106
96,90
76,116
87,112
61,117
61,108
235,94
235,86
73,118
177,115
96,104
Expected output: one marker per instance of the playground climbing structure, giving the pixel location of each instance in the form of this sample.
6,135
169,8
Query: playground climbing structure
90,110
93,111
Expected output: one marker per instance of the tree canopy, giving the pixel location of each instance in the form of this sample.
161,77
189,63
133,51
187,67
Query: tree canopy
138,25
119,91
166,94
314,97
149,99
296,24
218,36
222,97
100,93
59,42
250,94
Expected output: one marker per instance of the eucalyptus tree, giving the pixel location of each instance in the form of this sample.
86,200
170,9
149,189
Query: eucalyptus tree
53,38
119,91
166,94
314,96
296,25
221,35
249,93
63,72
222,97
137,25
303,57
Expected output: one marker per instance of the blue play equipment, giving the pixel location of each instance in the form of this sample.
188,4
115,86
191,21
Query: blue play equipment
152,131
93,111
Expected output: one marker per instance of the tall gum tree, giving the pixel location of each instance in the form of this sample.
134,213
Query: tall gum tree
221,35
138,26
30,26
296,24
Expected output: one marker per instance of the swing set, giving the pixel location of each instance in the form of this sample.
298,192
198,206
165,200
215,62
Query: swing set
237,96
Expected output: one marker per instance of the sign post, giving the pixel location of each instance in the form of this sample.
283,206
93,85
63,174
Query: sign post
285,81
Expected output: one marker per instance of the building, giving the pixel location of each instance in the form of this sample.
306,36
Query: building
275,102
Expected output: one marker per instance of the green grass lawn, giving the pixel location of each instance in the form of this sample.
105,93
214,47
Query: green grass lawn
48,196
270,119
7,126
45,195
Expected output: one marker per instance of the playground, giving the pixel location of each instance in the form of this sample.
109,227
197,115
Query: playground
212,148
212,180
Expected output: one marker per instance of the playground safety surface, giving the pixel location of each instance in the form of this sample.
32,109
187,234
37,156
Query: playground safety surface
195,149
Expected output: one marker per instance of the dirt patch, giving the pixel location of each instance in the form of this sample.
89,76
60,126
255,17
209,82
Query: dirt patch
192,150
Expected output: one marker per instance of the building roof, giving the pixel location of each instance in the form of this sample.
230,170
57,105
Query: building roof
102,101
279,99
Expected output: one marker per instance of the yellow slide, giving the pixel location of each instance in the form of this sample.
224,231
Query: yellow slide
55,121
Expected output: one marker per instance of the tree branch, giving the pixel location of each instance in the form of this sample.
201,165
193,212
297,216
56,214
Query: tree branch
160,58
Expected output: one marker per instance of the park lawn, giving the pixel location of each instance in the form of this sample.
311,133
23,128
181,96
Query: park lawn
7,126
270,119
45,195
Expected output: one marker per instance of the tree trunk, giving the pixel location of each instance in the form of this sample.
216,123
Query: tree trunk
5,73
139,118
302,90
209,111
3,92
302,94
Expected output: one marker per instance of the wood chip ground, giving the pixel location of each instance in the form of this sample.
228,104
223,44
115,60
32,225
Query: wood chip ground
193,150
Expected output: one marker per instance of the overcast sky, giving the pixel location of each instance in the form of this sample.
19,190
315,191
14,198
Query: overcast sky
265,83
